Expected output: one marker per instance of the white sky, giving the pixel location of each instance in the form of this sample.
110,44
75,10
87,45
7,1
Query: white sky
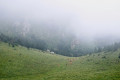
86,17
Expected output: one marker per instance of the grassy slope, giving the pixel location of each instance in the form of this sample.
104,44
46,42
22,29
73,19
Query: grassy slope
19,63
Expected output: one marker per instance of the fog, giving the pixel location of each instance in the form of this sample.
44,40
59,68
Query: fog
86,18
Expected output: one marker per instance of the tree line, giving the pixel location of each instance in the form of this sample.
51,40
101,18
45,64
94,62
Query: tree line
27,42
63,48
114,47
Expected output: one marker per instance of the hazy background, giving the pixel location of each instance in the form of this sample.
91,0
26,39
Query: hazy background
68,23
84,17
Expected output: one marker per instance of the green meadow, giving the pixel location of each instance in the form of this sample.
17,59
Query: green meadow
21,63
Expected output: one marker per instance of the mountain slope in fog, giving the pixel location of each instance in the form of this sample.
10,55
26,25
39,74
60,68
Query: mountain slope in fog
53,37
70,28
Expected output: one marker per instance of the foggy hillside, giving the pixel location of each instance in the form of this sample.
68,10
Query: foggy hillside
70,28
59,39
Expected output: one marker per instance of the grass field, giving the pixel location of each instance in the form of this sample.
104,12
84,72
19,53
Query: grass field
20,63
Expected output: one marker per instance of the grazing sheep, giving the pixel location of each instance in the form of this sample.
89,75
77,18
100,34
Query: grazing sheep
48,50
52,52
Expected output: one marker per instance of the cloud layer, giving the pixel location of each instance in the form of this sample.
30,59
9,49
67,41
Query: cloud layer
83,17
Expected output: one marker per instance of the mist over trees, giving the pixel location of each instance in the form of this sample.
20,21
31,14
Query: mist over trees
48,37
73,30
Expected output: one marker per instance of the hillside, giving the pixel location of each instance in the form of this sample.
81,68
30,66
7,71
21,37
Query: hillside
20,63
43,37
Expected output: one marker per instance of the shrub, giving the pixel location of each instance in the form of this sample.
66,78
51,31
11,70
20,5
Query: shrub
104,57
119,56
